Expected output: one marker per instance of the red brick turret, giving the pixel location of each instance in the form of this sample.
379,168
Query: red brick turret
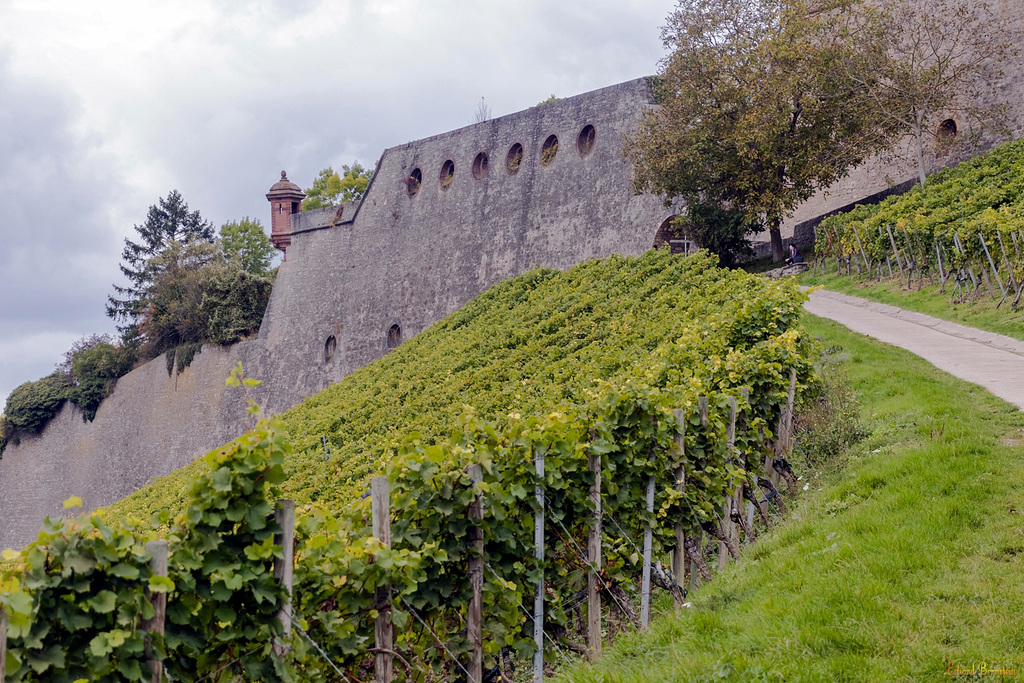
285,199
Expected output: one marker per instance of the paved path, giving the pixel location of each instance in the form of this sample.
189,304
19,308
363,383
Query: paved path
991,360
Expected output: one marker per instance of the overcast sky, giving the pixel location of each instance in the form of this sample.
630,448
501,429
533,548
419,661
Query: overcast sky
107,106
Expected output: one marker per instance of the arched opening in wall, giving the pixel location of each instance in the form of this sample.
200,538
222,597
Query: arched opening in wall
394,336
413,182
330,346
585,141
671,233
480,166
447,174
947,130
945,137
514,159
549,150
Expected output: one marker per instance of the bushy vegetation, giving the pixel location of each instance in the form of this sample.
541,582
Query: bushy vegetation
569,366
542,341
91,368
187,289
858,583
200,295
87,375
31,405
942,219
828,422
987,191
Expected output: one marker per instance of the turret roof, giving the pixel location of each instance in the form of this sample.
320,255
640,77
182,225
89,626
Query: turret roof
285,187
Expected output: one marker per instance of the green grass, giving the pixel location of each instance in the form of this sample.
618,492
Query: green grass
905,561
982,314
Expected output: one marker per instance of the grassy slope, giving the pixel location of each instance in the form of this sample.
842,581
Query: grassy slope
982,314
907,559
531,344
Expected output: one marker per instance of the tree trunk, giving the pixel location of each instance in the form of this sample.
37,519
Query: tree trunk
715,531
919,147
697,563
751,495
624,604
775,230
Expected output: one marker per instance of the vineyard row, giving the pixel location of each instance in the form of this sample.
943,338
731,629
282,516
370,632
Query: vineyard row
968,260
404,574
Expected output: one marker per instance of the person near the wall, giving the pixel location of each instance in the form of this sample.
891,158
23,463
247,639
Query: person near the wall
794,256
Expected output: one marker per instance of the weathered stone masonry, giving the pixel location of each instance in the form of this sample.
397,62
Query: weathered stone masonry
395,262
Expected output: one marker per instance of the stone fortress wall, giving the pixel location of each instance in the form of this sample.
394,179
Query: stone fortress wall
356,282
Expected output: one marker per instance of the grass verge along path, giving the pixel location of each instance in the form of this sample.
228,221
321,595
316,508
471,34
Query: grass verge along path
982,314
904,564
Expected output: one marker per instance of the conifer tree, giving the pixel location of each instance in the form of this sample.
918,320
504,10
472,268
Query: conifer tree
167,222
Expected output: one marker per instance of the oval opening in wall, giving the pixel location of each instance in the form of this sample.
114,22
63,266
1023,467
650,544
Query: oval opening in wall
514,159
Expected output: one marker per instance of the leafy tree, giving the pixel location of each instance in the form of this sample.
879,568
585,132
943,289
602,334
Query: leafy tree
923,65
723,232
246,243
550,100
95,370
755,112
31,405
233,304
199,297
172,315
167,222
330,189
86,342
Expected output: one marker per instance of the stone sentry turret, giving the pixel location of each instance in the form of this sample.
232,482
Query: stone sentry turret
285,199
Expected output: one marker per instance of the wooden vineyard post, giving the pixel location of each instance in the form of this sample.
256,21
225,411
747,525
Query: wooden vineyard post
867,263
679,559
594,580
888,261
645,570
702,413
538,598
728,528
895,251
790,401
970,269
158,566
3,644
476,576
383,631
784,439
817,252
923,255
1006,262
283,568
995,271
942,272
738,492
